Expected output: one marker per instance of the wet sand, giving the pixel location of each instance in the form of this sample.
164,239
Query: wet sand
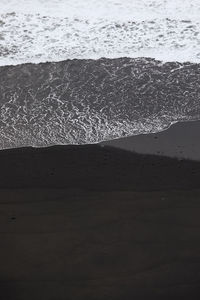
93,222
181,140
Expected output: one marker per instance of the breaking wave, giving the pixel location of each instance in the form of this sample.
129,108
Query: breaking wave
56,30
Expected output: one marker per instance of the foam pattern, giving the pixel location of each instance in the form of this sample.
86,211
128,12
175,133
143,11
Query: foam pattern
89,101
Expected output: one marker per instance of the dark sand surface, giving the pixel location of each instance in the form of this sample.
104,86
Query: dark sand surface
94,222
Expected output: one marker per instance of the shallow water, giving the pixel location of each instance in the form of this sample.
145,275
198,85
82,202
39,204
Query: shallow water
89,101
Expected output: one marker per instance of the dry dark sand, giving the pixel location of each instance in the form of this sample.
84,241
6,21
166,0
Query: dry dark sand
95,222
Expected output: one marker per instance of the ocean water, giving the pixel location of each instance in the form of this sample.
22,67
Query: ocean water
55,30
79,72
89,101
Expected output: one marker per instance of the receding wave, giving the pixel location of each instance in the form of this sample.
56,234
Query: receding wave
88,101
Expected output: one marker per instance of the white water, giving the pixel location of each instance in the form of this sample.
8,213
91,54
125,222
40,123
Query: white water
55,30
108,9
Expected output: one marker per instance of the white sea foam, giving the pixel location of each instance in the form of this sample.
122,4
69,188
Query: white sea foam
106,9
54,30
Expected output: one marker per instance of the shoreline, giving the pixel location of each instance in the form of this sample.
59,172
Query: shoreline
93,222
134,163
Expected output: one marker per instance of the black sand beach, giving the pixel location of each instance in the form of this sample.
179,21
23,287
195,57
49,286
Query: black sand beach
99,196
100,222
